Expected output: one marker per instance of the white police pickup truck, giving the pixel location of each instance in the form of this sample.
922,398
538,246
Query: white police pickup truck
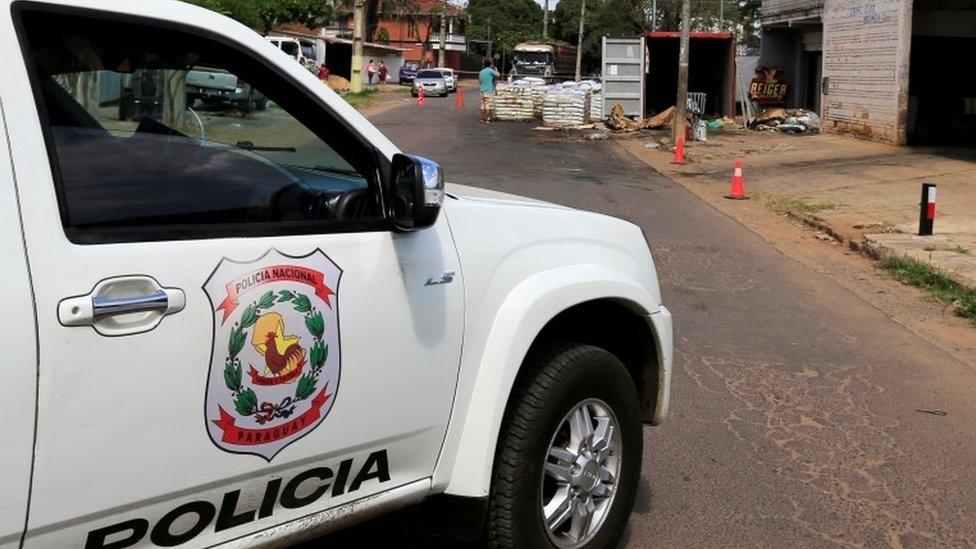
250,331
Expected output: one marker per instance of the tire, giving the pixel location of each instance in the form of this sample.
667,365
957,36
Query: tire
261,104
558,381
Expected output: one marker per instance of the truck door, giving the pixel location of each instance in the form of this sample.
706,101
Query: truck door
18,369
231,336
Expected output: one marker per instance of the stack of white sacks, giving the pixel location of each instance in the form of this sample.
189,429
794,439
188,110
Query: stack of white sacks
562,105
571,104
520,100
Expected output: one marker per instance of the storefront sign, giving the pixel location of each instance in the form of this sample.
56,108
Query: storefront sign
768,88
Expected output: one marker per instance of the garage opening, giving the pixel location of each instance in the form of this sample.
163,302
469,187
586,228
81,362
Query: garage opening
711,71
942,80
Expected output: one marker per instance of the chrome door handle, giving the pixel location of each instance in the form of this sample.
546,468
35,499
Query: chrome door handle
122,306
103,307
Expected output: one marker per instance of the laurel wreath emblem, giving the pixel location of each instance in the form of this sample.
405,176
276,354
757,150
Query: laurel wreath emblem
245,399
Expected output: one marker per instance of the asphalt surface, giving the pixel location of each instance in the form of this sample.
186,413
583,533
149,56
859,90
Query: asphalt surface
801,415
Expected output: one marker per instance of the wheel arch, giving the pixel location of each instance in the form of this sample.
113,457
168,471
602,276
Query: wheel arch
543,308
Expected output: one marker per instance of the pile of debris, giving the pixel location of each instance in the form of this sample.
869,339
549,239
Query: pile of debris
786,120
619,122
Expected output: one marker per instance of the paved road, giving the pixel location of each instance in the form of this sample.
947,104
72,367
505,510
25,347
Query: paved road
801,415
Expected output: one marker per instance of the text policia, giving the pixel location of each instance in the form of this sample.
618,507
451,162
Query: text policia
293,494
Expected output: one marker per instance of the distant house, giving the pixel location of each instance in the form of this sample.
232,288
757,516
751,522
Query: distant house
418,32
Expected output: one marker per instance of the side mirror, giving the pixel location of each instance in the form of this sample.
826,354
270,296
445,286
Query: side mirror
417,192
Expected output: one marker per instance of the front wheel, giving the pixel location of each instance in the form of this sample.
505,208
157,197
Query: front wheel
569,454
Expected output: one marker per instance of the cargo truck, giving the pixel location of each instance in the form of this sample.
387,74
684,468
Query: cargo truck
548,60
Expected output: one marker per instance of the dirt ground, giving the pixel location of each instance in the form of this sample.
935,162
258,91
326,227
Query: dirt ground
868,186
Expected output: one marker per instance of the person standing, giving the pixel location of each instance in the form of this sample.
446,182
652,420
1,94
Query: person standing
486,78
383,72
324,73
370,72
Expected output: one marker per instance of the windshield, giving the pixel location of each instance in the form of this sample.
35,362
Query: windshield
533,58
430,74
290,48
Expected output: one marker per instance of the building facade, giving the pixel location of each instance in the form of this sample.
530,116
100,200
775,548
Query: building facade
887,70
418,32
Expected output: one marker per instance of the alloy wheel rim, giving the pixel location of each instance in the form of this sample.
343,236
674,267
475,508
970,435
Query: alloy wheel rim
580,474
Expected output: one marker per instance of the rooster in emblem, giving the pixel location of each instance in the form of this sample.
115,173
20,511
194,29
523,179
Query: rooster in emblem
282,354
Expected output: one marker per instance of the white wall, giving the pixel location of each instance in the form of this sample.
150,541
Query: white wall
393,61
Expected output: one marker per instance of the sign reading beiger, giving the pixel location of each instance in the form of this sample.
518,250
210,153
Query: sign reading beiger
274,367
769,87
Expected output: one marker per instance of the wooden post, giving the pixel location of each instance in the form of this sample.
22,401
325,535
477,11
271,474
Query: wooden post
441,55
579,44
358,30
681,108
545,20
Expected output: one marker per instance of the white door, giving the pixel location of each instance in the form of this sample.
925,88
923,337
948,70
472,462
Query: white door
230,335
18,371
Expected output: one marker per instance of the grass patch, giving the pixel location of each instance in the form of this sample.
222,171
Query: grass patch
956,248
783,205
934,281
363,99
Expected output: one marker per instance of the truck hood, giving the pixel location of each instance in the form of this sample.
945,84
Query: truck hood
503,238
464,192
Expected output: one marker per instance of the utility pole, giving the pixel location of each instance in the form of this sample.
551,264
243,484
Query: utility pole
443,41
654,16
545,20
358,30
489,41
579,44
721,15
681,108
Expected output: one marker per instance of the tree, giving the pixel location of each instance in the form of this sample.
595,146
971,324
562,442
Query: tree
263,15
615,18
510,22
741,17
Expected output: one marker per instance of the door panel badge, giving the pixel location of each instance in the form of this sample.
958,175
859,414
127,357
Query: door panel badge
275,359
436,280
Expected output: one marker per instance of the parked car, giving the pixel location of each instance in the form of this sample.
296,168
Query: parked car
174,371
299,49
450,78
433,81
408,72
217,86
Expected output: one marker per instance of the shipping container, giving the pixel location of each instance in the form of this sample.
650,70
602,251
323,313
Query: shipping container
711,70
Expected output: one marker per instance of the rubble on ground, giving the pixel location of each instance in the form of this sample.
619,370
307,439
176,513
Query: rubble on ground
619,122
793,121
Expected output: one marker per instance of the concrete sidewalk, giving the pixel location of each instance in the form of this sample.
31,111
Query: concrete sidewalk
861,193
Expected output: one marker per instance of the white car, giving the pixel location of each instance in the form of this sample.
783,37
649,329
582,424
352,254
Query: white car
301,50
450,78
253,330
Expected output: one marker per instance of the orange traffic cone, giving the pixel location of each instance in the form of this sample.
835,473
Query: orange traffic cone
679,151
420,97
737,189
459,97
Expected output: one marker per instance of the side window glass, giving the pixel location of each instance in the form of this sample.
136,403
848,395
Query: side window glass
156,130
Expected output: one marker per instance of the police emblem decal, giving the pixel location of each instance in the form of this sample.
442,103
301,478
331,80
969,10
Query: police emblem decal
275,360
